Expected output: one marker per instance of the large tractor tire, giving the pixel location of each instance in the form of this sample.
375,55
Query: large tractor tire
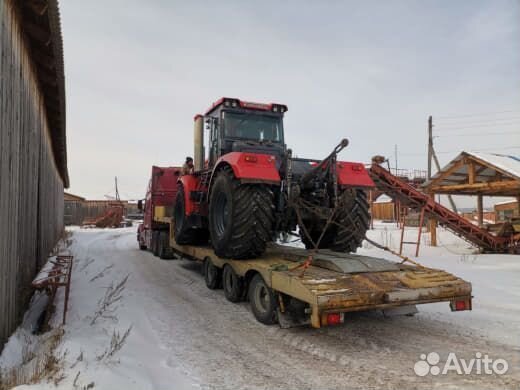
240,217
184,234
348,231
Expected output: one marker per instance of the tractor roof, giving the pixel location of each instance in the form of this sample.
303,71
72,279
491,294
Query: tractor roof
235,103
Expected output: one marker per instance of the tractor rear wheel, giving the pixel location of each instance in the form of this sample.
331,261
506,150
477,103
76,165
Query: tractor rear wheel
184,234
240,217
348,231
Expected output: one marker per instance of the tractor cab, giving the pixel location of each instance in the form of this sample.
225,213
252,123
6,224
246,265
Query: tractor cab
234,125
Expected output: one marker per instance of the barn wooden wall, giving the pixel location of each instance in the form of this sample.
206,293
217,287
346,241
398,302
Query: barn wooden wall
383,210
31,190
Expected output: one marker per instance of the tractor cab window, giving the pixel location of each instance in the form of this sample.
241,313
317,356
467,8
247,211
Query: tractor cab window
254,127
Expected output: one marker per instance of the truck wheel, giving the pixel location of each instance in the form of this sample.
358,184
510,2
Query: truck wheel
262,300
155,243
212,275
166,251
184,235
232,284
240,217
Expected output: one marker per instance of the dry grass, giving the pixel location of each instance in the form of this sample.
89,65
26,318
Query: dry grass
38,363
116,343
102,273
108,304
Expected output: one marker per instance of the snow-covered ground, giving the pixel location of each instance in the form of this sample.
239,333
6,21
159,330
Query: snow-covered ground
180,335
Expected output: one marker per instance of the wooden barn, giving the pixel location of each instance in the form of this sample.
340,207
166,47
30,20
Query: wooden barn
77,209
33,156
479,175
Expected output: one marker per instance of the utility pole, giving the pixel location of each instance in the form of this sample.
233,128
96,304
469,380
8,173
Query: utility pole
430,146
433,155
117,191
395,152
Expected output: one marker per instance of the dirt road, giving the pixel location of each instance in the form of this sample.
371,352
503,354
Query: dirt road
218,344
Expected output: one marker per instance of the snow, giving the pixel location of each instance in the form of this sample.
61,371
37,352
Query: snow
494,278
140,364
184,336
383,199
510,164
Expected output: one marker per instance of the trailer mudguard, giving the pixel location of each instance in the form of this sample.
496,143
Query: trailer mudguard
351,174
254,167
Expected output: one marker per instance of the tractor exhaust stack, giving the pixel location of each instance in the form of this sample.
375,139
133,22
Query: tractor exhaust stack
198,142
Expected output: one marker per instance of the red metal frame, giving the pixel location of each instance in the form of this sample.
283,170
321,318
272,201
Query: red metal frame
459,225
59,275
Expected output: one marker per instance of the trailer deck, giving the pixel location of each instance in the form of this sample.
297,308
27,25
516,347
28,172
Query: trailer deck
335,283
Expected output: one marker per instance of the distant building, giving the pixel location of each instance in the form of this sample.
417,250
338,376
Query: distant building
506,211
77,209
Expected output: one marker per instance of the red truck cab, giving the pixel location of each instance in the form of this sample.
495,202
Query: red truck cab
159,200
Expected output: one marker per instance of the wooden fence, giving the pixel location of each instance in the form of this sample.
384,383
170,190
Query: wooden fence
31,189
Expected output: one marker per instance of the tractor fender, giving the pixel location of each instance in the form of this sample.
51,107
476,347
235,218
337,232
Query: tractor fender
249,167
189,183
353,174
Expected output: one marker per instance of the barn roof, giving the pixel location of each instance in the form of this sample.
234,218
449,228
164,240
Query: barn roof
67,196
40,21
473,173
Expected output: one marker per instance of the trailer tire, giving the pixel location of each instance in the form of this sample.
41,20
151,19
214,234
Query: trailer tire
212,275
233,284
240,217
262,300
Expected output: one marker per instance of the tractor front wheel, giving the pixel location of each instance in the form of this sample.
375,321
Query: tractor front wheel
240,217
348,231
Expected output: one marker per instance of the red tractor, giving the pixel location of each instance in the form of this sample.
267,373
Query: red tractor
248,190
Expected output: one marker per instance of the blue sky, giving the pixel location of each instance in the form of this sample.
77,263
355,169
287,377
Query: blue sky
371,71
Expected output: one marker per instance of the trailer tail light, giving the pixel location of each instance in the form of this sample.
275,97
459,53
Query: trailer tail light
460,305
335,318
250,158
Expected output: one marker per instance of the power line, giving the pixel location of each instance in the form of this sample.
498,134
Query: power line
497,124
458,151
472,121
476,114
476,134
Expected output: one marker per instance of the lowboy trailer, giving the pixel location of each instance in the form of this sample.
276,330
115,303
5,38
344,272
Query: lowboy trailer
295,286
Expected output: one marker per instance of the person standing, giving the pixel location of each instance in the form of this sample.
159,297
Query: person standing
188,168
